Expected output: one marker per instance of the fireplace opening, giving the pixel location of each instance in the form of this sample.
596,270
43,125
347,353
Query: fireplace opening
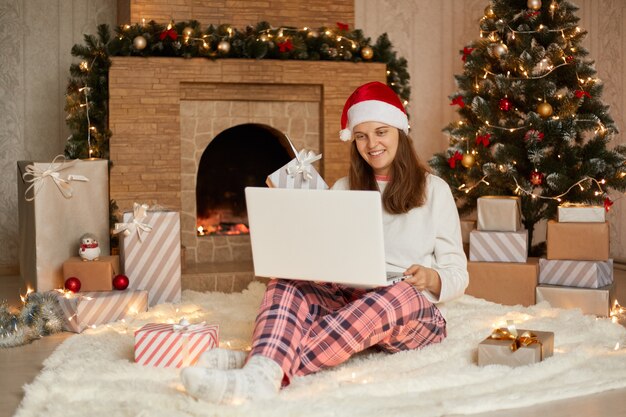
238,157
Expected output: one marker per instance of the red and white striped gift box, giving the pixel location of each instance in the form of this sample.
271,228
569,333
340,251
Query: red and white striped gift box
169,345
151,259
499,246
87,309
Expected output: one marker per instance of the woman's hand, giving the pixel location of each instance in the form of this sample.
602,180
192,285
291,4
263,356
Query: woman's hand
424,278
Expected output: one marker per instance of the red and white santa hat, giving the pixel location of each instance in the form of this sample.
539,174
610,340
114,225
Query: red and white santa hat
372,102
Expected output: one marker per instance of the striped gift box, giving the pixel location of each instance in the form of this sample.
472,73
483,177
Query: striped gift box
571,273
88,309
151,259
170,345
289,176
499,246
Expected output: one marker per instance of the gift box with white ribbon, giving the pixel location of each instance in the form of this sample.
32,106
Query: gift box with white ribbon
298,173
165,345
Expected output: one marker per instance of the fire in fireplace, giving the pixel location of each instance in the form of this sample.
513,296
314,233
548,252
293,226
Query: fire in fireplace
238,157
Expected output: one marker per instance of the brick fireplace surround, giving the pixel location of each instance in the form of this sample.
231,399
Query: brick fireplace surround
165,111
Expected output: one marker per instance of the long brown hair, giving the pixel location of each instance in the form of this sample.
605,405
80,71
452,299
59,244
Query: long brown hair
407,187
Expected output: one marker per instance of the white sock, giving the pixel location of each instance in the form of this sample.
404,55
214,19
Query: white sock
223,359
259,379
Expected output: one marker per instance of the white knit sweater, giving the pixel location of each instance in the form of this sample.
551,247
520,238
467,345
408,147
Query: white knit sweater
429,235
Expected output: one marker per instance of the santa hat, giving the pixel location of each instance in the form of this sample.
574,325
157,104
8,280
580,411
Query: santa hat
372,102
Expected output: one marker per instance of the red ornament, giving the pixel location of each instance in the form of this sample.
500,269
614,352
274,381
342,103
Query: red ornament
607,204
458,100
484,139
505,104
120,282
285,46
72,284
456,157
569,59
343,26
466,52
581,94
536,178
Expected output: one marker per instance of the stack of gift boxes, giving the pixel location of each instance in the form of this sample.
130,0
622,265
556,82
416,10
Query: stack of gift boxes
499,267
577,271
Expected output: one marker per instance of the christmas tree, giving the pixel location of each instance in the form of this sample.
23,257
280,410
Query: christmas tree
532,122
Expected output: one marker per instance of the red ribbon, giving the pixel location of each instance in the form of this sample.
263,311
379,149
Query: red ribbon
458,100
581,94
343,26
456,157
532,14
173,35
484,139
607,204
466,52
285,46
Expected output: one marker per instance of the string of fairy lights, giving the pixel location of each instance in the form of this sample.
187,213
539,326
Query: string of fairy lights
545,110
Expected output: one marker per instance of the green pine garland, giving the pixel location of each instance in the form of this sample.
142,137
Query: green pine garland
88,108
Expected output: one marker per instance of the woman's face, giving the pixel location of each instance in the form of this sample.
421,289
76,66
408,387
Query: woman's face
377,144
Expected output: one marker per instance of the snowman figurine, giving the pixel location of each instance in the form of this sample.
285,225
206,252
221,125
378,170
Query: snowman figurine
89,249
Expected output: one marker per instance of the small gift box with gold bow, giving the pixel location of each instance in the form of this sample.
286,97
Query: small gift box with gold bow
515,347
298,173
165,345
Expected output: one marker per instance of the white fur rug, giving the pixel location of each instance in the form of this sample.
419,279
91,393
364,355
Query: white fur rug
93,374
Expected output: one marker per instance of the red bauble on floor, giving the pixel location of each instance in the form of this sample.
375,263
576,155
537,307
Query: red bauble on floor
72,284
120,282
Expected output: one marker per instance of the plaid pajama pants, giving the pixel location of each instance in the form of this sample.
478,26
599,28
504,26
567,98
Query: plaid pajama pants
305,326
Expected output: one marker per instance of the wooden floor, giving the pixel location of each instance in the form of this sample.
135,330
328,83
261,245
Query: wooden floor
20,365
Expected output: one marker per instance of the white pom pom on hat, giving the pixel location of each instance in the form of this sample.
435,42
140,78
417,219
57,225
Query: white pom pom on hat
372,102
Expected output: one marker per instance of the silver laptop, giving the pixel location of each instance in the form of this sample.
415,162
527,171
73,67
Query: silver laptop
318,235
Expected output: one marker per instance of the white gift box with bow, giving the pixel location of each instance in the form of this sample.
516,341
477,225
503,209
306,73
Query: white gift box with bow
298,173
58,202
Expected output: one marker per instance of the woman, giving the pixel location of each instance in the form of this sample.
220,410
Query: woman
303,327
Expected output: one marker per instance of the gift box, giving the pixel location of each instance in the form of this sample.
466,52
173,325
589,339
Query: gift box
499,246
515,347
581,213
585,274
597,301
94,275
503,283
57,203
150,252
578,241
499,214
88,309
173,345
298,173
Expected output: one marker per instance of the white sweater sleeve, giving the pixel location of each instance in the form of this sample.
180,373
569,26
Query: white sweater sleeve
449,260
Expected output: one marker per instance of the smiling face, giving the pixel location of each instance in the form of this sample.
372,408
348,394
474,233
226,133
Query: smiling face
377,144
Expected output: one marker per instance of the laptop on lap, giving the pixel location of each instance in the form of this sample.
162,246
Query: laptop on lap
318,235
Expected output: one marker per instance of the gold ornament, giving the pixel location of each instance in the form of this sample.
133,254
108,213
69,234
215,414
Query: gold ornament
223,47
489,12
187,32
544,109
468,160
534,4
499,49
139,42
367,52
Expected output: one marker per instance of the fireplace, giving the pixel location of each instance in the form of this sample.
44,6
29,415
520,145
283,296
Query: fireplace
239,157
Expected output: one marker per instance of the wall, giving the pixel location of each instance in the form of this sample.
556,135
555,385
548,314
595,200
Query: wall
37,36
431,34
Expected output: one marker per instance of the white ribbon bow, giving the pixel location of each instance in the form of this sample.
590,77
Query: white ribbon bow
36,177
303,165
140,212
184,326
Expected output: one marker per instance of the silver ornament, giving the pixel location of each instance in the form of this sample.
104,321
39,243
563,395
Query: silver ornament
223,47
499,49
534,4
139,42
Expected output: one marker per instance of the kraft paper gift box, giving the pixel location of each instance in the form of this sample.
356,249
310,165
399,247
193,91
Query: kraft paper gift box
578,241
150,252
581,213
503,283
93,275
499,246
585,274
58,202
174,345
499,214
82,310
298,173
597,301
525,347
